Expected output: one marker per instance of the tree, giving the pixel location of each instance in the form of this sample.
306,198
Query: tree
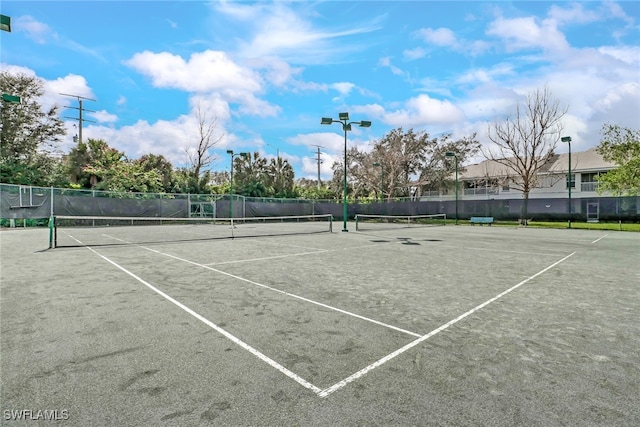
160,164
281,176
86,158
436,173
29,134
250,175
308,189
200,157
98,166
525,142
622,147
402,164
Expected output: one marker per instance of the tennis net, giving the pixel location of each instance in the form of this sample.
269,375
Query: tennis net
100,231
381,222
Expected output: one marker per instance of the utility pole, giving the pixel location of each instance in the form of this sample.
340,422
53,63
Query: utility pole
80,110
319,161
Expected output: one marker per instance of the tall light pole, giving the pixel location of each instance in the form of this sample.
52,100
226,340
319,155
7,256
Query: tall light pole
381,179
452,154
230,152
343,118
567,139
5,25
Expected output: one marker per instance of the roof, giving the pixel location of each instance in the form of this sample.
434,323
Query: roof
583,161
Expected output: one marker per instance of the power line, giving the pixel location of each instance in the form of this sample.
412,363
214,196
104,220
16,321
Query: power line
80,111
319,160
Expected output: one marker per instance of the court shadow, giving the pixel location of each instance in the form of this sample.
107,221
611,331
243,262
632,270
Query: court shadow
407,241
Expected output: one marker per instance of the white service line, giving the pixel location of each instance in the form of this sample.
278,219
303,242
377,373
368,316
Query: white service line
339,310
340,384
236,261
212,325
597,240
316,252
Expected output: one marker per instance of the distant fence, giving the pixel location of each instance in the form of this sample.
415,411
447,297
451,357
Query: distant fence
27,202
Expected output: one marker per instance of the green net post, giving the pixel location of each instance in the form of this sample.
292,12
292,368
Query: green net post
51,222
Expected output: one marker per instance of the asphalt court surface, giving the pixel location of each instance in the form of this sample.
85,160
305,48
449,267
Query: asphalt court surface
407,326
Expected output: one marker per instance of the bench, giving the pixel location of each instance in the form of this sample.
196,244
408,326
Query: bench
481,220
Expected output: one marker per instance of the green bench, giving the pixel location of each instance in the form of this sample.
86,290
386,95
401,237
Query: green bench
481,220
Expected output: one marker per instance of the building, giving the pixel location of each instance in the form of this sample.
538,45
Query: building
492,188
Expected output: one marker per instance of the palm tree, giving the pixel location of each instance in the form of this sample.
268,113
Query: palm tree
281,177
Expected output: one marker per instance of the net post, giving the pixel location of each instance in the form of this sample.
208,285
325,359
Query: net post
331,223
51,221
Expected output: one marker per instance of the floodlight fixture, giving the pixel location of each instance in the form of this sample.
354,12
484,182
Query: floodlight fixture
326,121
365,124
11,99
565,139
343,116
5,23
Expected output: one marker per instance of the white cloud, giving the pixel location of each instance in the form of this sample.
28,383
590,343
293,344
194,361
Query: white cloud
446,38
628,54
35,30
416,53
525,33
274,29
103,116
71,84
619,106
386,62
41,33
575,13
343,87
424,111
204,71
276,71
438,36
483,75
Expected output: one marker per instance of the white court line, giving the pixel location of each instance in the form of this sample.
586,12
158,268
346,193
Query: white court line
339,310
319,251
266,258
212,325
468,248
292,375
344,382
597,240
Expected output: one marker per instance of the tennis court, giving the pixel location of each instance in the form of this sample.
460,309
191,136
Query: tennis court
388,325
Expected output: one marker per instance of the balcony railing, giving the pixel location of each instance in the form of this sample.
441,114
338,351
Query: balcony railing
589,186
480,190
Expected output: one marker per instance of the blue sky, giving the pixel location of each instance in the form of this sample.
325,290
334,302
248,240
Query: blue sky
268,71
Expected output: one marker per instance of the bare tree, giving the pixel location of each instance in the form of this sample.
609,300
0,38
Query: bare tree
524,143
200,158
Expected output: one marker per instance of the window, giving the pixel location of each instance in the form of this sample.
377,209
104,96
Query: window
573,180
589,181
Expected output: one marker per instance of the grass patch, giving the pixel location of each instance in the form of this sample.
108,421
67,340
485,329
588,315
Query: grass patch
610,226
